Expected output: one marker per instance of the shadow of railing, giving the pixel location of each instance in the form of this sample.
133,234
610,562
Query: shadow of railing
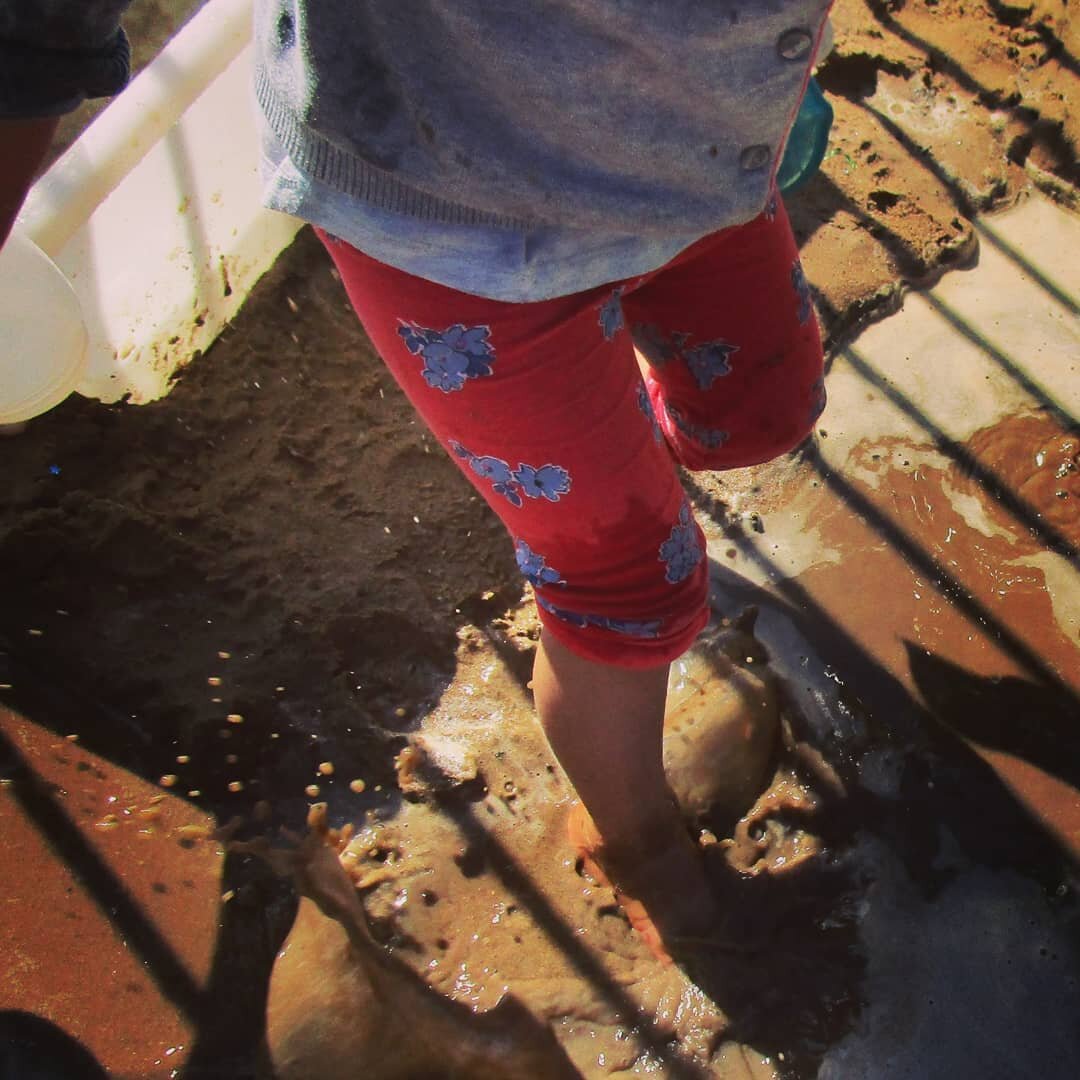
987,232
943,62
103,885
964,205
923,561
962,200
1032,722
228,1027
231,1040
1039,394
34,1048
944,581
1056,49
207,280
909,721
515,879
989,482
896,246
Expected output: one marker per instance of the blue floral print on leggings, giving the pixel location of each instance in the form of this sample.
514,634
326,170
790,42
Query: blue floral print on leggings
549,482
534,566
802,291
681,551
645,405
656,346
710,438
611,315
818,399
450,356
709,362
631,627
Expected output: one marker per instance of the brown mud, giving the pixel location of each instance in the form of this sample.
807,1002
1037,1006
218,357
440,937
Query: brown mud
271,586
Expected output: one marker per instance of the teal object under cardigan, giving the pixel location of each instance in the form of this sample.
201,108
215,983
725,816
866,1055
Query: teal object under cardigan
807,142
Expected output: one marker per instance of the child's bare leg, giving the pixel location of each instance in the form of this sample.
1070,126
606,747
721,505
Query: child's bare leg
605,725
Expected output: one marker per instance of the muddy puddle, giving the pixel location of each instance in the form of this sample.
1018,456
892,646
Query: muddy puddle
872,741
472,885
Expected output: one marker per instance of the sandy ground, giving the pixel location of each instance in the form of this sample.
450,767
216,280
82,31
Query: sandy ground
278,541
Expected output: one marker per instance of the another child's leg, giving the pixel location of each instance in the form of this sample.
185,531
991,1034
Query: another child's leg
542,407
735,370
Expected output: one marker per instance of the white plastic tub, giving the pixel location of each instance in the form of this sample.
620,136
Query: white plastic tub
154,217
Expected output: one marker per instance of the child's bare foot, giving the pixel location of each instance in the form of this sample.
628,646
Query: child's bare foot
658,880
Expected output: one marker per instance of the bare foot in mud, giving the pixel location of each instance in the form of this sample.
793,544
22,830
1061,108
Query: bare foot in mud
658,879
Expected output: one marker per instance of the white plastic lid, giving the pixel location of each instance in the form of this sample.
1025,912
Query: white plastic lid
42,334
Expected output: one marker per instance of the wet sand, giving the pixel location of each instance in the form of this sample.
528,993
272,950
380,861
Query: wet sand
279,541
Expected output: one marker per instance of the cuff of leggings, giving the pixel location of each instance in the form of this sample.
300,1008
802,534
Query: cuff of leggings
607,646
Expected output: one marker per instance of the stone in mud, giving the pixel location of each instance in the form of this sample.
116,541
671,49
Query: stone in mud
720,738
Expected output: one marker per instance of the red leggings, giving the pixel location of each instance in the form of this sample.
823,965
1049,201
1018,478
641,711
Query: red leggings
545,411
